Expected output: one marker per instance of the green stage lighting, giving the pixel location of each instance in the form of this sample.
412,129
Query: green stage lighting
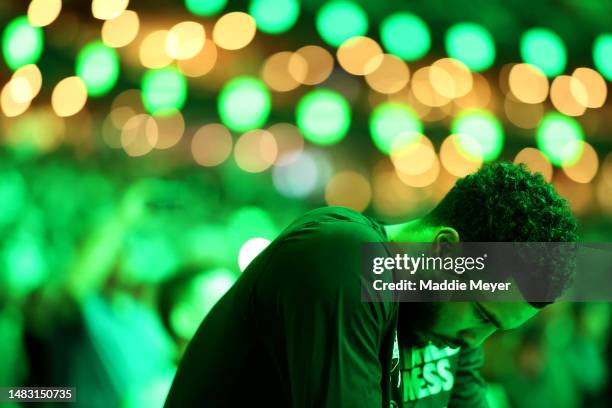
560,137
544,49
22,44
339,20
98,67
391,120
396,28
274,16
205,8
471,44
163,90
244,104
323,117
479,134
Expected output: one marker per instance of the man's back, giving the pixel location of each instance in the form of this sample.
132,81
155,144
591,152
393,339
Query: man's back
293,331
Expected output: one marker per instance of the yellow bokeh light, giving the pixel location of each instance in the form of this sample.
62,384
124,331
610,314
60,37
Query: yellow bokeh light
25,83
456,162
528,83
152,51
568,95
255,151
424,91
185,40
69,96
10,107
121,30
348,189
211,145
234,30
478,97
391,76
593,83
108,9
450,78
535,161
139,135
43,12
275,71
170,128
319,65
416,164
202,63
585,168
358,55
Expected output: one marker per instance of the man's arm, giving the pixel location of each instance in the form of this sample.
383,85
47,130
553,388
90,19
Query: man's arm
469,389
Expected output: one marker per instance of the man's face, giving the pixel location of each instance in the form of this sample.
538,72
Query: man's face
468,324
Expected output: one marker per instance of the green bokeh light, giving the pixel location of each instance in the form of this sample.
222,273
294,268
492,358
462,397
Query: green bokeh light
471,44
323,117
22,44
396,28
560,137
205,8
339,20
244,104
544,49
98,67
163,90
479,134
602,55
274,16
390,121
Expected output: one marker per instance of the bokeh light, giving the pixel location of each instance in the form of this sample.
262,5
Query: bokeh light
276,74
43,12
170,128
339,20
323,116
471,44
348,189
523,115
250,250
289,143
22,44
390,76
569,95
479,134
297,179
69,96
319,64
424,91
584,168
416,164
455,160
10,106
357,55
450,78
559,137
234,30
108,9
602,55
544,49
98,66
205,8
255,151
152,52
121,30
397,27
535,161
202,63
593,83
211,145
139,135
185,40
25,83
274,16
163,90
390,120
244,104
528,83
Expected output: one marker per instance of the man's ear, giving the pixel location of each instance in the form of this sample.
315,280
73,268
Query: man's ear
445,236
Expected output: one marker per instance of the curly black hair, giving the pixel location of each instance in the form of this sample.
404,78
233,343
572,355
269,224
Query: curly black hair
505,202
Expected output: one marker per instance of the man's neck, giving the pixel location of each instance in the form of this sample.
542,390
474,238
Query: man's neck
416,230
